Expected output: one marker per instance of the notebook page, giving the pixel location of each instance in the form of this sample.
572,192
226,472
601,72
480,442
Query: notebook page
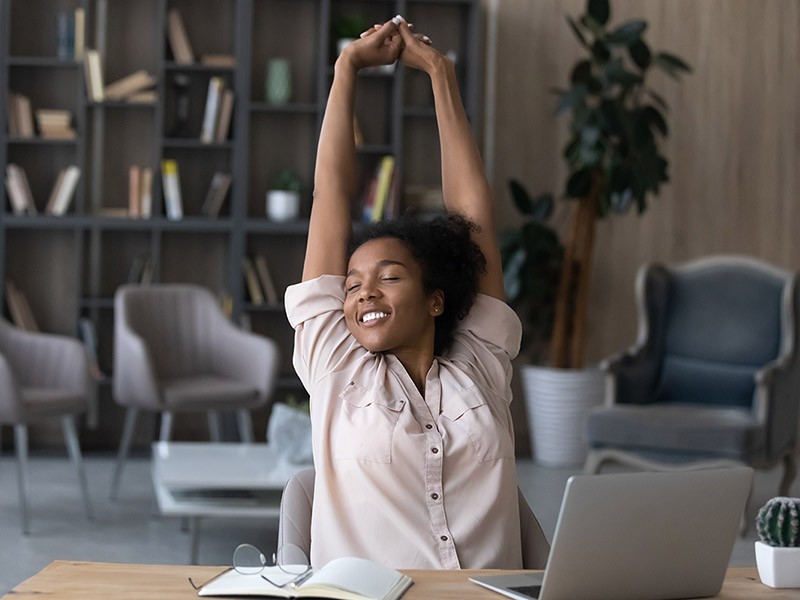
360,576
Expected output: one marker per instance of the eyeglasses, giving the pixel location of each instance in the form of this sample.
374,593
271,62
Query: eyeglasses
249,560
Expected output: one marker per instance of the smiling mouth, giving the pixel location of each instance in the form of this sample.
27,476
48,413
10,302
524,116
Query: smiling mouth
372,317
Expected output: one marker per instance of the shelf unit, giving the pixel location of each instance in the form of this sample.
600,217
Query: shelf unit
85,255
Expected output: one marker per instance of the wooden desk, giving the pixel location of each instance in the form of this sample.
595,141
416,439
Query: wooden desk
67,580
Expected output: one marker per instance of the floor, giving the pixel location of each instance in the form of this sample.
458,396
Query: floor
129,530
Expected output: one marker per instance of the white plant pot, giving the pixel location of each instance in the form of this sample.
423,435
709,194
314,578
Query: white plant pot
558,401
282,205
778,567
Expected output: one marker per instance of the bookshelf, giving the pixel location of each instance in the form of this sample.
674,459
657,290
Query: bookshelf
84,255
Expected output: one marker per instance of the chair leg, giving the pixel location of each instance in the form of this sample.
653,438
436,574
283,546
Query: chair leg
245,425
124,448
166,426
74,449
214,426
789,473
21,447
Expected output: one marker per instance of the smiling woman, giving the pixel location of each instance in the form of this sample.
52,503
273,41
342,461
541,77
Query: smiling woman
404,344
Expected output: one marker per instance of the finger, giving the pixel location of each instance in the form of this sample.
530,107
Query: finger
405,32
388,28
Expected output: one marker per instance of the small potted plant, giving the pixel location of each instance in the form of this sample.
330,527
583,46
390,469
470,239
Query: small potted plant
283,196
347,28
778,548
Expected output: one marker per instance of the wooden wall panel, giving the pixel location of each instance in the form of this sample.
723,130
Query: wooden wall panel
734,144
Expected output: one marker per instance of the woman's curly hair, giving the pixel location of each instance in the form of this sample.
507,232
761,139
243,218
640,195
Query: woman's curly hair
450,262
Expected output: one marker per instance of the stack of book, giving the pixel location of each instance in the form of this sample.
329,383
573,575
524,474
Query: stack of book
260,284
140,192
55,124
70,34
217,192
19,116
380,192
136,87
178,38
218,111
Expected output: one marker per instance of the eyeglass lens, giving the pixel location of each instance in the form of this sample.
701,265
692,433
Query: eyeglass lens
248,560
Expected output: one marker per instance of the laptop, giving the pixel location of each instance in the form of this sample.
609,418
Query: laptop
638,536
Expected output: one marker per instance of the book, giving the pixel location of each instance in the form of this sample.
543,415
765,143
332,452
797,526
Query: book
23,116
251,279
88,335
218,60
385,175
51,201
217,192
19,190
215,87
346,578
66,190
55,124
141,270
146,193
265,277
224,119
20,309
93,74
170,177
178,38
144,97
134,191
130,85
80,33
11,116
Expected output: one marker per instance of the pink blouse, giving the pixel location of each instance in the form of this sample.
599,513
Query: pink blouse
409,481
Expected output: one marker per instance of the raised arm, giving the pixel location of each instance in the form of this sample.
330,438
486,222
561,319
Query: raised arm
335,176
466,191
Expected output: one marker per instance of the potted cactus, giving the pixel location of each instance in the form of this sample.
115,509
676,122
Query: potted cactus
778,551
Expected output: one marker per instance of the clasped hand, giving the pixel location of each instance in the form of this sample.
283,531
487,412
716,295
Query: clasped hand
387,43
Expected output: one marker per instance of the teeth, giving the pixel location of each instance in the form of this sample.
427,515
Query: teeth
372,316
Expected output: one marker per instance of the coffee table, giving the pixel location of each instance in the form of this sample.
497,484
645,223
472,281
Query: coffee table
197,480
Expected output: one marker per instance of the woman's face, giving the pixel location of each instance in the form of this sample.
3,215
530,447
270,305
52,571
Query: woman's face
386,307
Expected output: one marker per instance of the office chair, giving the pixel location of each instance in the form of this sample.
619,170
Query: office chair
294,525
175,351
42,376
714,377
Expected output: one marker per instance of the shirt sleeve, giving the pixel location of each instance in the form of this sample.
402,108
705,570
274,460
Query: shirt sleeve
322,341
486,342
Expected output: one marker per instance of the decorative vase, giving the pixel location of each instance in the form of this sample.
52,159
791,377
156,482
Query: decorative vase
289,432
778,567
558,401
282,205
279,81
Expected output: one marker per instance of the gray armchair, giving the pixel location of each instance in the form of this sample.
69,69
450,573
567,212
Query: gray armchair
294,526
42,376
175,351
714,376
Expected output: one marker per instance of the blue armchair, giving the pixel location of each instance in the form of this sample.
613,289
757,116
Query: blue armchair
714,376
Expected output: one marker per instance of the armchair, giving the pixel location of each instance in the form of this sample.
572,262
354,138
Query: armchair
714,376
42,376
175,351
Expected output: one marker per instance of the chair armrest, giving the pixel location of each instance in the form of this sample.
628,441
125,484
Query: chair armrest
246,357
135,382
632,375
49,360
775,402
11,409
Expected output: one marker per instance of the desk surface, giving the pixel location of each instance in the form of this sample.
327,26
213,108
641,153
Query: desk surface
67,580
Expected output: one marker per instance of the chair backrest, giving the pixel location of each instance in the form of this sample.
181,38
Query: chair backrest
177,323
724,321
294,525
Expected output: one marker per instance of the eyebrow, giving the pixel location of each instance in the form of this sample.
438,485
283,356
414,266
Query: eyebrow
381,263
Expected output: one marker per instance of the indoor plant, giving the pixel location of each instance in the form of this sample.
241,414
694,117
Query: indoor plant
778,548
614,163
283,196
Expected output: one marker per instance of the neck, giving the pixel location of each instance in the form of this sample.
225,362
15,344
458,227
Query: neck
417,364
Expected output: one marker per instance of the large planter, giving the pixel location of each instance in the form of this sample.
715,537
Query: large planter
778,567
558,401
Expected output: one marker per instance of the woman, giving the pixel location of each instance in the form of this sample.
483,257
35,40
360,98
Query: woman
405,345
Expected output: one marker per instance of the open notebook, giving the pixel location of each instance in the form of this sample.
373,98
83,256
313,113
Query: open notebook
341,579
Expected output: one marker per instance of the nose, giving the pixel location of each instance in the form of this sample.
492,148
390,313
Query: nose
368,290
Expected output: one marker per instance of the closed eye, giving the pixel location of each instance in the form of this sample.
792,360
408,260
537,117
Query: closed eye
353,288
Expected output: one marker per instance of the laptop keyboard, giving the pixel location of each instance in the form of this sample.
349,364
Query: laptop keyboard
531,591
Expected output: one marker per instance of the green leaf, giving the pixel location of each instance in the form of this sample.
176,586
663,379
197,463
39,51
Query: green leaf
616,73
512,269
600,51
582,72
579,183
658,99
674,62
521,198
627,33
572,98
656,119
578,33
599,10
640,54
543,207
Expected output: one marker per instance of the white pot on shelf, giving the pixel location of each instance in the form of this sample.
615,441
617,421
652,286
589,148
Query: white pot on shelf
283,205
778,567
557,403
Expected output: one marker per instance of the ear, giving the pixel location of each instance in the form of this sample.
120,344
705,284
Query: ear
436,303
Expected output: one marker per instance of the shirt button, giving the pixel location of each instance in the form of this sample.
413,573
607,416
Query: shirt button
444,538
435,450
428,426
435,496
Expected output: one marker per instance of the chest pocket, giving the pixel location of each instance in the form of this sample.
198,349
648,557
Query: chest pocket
365,424
468,410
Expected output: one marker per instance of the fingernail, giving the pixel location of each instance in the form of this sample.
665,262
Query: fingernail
397,20
363,34
426,38
411,26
